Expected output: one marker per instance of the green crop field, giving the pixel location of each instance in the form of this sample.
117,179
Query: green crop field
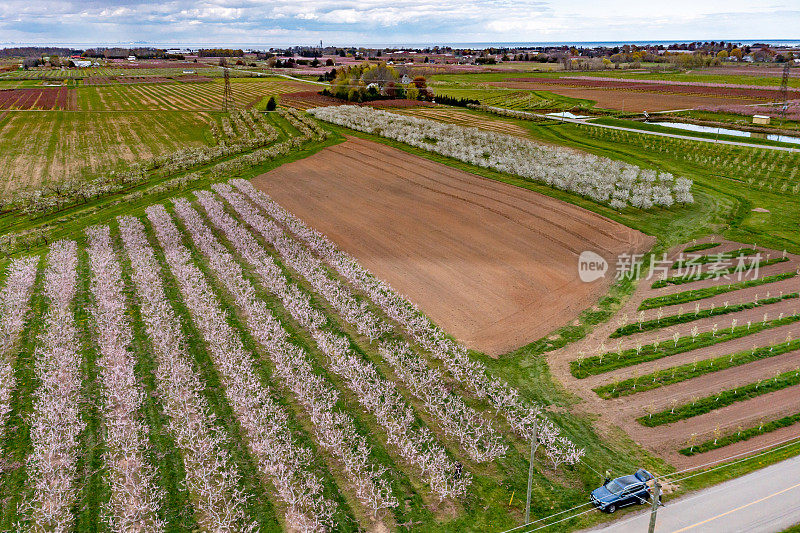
116,125
181,96
37,147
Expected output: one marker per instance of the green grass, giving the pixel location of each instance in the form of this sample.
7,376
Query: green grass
671,320
71,221
92,470
722,399
674,74
37,148
680,373
689,277
700,247
600,364
737,177
712,258
708,292
737,120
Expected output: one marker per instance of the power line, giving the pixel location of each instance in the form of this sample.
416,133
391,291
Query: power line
559,521
785,444
546,517
769,449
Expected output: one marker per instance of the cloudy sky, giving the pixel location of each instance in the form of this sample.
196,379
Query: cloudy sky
391,22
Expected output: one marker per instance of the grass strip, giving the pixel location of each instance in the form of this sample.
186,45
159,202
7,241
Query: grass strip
599,364
663,322
688,278
699,247
708,292
711,258
723,399
741,435
92,470
676,374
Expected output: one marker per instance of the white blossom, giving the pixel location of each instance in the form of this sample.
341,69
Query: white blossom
521,414
264,422
135,500
594,177
210,477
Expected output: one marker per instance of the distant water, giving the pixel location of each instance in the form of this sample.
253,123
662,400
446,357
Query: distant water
608,44
387,44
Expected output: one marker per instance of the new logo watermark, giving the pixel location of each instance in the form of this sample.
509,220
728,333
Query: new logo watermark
731,266
591,266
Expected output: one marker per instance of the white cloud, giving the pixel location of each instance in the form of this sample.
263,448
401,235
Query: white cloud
399,21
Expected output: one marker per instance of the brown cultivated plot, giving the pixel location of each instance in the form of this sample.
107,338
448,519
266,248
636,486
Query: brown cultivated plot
495,265
629,100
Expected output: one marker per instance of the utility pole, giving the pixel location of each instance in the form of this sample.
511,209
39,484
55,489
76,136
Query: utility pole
784,91
656,503
534,442
228,104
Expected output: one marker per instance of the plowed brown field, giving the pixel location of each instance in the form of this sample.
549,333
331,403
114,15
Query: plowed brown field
629,100
493,264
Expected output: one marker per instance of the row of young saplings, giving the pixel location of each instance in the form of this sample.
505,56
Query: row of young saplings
777,169
697,406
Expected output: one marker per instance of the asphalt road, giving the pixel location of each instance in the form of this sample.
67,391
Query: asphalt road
765,501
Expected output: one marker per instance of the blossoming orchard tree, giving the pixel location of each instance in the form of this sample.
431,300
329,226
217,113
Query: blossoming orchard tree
605,181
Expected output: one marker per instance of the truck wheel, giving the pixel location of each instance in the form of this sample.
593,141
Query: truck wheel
611,508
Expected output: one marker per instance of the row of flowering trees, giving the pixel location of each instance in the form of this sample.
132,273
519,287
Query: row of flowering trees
14,305
334,429
603,180
521,414
458,420
305,125
135,500
337,293
210,475
243,126
264,421
56,422
416,444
